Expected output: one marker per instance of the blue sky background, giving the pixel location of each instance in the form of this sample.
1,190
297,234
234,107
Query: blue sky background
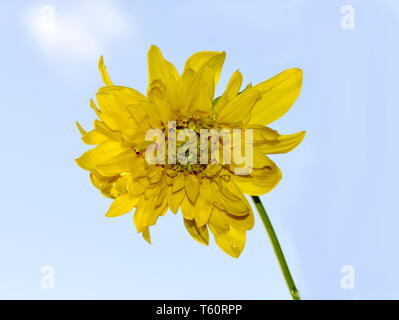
336,205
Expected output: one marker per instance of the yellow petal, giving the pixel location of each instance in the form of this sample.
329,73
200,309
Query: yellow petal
104,184
104,74
101,153
114,102
286,143
175,199
147,213
94,107
135,188
178,183
202,213
146,235
155,174
222,219
103,129
161,70
282,144
192,185
80,128
198,233
212,59
150,110
204,203
232,89
238,110
121,163
121,205
278,95
231,241
198,93
261,134
161,105
117,98
188,209
120,186
234,85
236,205
233,200
260,181
93,137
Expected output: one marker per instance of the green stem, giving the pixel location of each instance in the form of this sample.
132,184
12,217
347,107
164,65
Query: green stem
277,248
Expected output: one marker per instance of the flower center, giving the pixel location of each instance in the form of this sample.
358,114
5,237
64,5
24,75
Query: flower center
188,147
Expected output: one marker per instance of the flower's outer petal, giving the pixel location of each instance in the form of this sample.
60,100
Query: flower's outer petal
228,238
229,198
278,95
101,153
147,211
260,134
94,107
80,128
104,184
203,93
163,73
159,68
150,110
232,89
135,188
283,144
269,141
198,233
261,180
238,110
234,85
121,205
178,183
155,174
232,242
120,186
198,89
222,219
123,162
175,199
288,142
161,105
93,137
192,187
241,222
212,59
117,98
146,235
204,203
199,78
104,74
102,128
188,209
114,103
203,211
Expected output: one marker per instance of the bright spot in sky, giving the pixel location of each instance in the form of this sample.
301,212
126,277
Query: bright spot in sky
81,32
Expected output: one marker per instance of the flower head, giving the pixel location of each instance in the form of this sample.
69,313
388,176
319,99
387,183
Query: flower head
209,193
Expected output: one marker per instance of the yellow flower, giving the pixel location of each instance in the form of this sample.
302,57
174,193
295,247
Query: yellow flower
210,196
